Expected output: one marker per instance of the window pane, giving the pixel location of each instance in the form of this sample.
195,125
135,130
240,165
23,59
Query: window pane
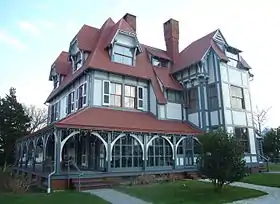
236,102
106,87
140,103
118,89
118,101
132,91
106,98
113,88
171,96
127,90
236,91
140,93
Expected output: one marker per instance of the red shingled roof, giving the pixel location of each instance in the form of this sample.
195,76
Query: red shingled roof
118,120
96,40
86,37
195,51
62,65
167,79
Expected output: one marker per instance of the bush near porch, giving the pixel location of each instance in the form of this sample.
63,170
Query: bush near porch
188,191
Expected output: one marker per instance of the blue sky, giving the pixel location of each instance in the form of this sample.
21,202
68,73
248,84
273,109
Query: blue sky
33,33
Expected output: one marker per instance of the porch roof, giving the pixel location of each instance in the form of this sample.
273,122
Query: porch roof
119,120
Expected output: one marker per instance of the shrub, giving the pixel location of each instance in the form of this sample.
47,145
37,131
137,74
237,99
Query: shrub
144,179
13,183
221,158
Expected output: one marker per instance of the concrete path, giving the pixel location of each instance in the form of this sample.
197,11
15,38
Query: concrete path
115,197
273,196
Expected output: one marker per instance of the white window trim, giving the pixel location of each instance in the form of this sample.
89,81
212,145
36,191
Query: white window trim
84,93
140,99
103,94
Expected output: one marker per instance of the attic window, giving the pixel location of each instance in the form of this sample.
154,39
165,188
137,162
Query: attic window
123,54
77,61
157,62
219,38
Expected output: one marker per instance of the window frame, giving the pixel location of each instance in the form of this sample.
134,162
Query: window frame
122,55
106,94
115,94
130,97
178,96
242,98
245,142
140,99
213,99
192,100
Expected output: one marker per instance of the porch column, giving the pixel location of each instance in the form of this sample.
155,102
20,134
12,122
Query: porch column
145,153
26,156
109,156
34,154
175,151
57,147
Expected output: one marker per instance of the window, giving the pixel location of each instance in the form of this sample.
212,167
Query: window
242,135
192,99
70,102
157,62
174,96
233,59
237,97
77,61
129,96
159,153
54,112
123,55
140,94
127,152
82,96
106,92
55,81
116,95
213,96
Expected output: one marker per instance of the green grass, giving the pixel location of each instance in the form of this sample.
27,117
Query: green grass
263,179
53,198
274,167
193,192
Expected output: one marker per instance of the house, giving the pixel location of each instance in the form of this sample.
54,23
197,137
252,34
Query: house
119,107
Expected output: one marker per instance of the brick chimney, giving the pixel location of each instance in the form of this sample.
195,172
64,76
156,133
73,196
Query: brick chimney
131,20
171,36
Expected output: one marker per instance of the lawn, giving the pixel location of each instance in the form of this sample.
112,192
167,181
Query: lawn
188,192
274,167
264,179
53,198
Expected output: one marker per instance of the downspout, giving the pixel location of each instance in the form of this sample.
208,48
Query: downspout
54,165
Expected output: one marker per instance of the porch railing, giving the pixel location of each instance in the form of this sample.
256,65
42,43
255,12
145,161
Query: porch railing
265,159
80,173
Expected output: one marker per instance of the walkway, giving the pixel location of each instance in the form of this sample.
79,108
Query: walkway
272,197
115,197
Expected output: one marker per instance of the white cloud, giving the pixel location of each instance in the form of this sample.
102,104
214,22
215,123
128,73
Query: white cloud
27,26
8,39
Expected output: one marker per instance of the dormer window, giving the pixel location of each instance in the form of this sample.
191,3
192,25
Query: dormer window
158,62
123,54
77,61
55,81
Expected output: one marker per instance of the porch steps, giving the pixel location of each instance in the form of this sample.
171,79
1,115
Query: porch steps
92,183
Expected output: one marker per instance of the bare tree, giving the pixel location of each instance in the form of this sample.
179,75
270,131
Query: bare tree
260,116
38,117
